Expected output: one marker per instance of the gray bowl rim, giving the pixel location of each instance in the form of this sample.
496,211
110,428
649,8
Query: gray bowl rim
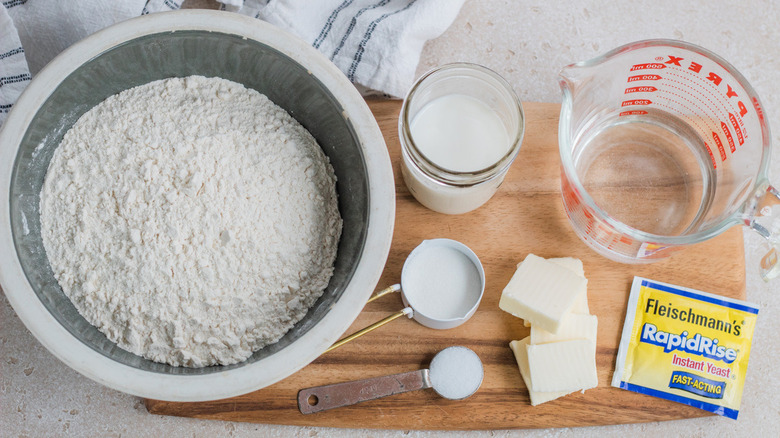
266,371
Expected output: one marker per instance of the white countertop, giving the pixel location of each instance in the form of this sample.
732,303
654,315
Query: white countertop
527,42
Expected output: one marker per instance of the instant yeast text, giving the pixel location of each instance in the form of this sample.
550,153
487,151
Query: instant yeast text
686,346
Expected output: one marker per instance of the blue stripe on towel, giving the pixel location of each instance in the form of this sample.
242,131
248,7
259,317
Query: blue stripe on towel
329,23
11,3
172,4
352,24
11,52
13,79
362,46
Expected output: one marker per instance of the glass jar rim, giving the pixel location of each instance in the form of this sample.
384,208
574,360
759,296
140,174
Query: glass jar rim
453,177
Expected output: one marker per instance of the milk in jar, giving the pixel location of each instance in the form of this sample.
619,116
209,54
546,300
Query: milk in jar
460,128
460,133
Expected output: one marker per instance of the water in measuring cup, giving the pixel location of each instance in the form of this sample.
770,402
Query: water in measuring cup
651,172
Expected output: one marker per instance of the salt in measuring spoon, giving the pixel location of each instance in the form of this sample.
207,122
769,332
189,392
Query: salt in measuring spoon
442,282
455,373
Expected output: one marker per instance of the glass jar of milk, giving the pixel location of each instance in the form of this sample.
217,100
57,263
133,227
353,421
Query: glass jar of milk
461,126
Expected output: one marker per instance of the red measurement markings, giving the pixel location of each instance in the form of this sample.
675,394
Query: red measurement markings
636,102
644,89
712,157
702,92
633,113
709,89
693,121
644,78
700,95
719,144
650,66
713,78
728,137
756,105
583,216
737,129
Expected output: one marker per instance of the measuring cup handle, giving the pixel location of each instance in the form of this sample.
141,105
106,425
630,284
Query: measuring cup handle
385,291
322,398
767,197
406,311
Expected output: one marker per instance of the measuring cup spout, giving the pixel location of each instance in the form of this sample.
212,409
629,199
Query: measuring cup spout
567,79
573,77
763,216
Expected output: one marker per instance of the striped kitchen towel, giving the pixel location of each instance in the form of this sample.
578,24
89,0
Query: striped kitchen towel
14,74
32,32
376,43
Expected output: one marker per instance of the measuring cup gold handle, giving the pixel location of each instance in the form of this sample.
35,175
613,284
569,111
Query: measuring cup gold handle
385,291
407,311
767,198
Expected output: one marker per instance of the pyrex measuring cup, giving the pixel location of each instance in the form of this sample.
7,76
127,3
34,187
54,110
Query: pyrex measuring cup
442,282
663,144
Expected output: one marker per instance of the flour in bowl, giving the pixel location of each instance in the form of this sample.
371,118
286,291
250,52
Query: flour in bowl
191,220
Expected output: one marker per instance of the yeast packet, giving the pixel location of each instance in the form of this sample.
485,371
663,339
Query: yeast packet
685,345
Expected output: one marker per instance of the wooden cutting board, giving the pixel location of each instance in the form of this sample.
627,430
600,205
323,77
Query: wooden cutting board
526,215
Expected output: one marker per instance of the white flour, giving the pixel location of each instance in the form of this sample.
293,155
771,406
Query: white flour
191,220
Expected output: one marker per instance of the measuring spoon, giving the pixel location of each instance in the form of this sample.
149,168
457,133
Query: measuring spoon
455,373
442,283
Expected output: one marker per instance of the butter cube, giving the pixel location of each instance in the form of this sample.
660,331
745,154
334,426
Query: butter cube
574,326
562,366
570,263
542,292
580,307
521,355
574,265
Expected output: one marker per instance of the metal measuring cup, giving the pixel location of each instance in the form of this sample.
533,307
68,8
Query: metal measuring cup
427,292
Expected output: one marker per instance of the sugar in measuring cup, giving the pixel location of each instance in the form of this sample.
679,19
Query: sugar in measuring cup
663,144
442,282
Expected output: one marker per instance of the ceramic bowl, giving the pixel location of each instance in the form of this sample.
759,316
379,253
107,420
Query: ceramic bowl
215,44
